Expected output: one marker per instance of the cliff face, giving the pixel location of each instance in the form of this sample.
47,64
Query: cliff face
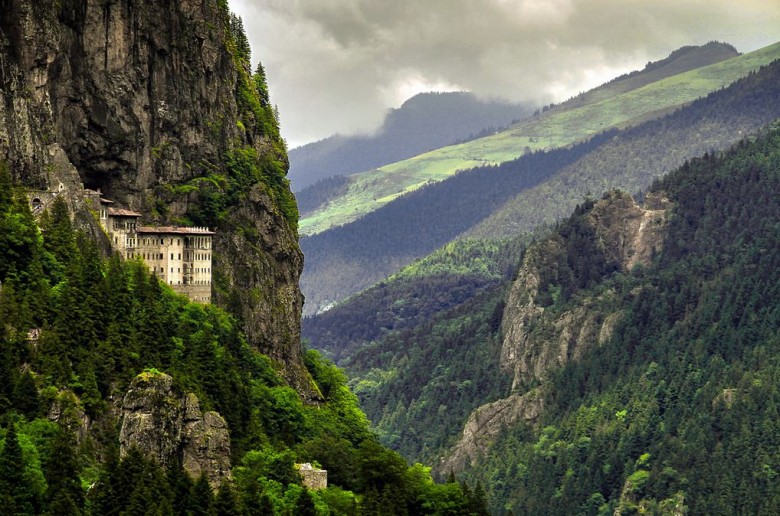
139,97
541,332
168,425
621,235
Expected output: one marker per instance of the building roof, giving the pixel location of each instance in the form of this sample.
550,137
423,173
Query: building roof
106,201
177,230
118,212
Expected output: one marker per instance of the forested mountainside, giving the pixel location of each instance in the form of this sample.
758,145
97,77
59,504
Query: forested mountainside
445,279
156,105
638,356
539,188
424,122
118,396
619,104
638,155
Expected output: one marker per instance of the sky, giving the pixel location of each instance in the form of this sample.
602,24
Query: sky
337,66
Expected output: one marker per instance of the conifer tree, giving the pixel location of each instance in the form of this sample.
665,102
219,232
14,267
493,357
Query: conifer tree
25,396
226,502
478,501
64,494
261,85
16,497
59,238
201,497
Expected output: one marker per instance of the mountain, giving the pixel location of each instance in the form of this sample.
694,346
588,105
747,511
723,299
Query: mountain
561,126
634,349
117,395
447,278
422,123
536,189
653,365
141,103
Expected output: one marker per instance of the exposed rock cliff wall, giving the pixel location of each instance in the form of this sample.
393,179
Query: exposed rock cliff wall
543,332
168,425
625,235
137,96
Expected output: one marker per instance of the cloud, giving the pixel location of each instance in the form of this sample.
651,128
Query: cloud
338,65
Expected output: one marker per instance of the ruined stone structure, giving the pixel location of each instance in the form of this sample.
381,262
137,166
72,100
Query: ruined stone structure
311,477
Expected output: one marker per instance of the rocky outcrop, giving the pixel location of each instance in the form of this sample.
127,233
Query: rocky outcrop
169,426
485,425
137,97
538,336
627,235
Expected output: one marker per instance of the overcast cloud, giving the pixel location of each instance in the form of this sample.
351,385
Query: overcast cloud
336,66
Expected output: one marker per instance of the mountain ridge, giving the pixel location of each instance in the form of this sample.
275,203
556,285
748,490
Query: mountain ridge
639,343
535,189
553,128
423,122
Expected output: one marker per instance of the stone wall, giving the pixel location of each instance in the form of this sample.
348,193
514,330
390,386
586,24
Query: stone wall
311,477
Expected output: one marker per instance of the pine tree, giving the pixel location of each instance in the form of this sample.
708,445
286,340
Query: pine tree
261,85
25,396
201,497
59,237
64,493
15,495
226,502
478,501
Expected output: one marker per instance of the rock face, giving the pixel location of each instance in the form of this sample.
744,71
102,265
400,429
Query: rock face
485,425
625,235
538,338
137,97
167,425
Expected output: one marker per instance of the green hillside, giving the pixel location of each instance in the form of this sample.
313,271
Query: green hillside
79,331
559,126
676,408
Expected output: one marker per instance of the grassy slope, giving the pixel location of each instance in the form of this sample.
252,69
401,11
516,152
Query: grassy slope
632,159
557,127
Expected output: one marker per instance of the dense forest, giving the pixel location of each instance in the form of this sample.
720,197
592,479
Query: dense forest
77,328
424,122
536,189
88,339
443,280
676,411
420,384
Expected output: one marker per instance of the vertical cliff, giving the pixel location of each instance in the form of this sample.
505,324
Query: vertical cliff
548,322
154,104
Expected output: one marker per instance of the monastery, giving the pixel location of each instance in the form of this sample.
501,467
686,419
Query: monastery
179,256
